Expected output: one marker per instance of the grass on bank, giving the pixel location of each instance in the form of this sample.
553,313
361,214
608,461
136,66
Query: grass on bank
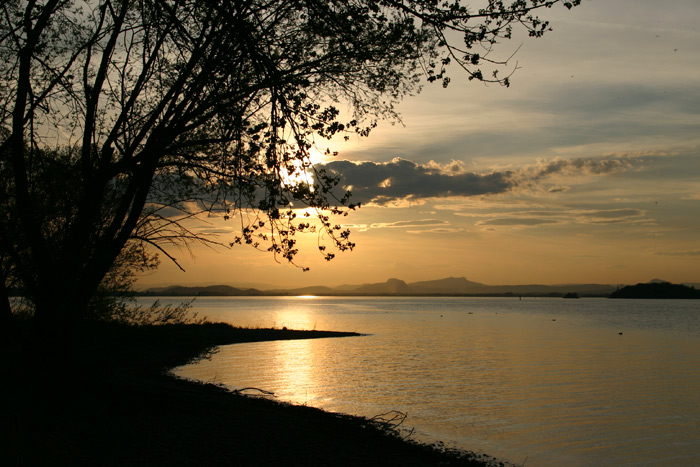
108,400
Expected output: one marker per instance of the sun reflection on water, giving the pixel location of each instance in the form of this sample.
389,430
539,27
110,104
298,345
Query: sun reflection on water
298,317
293,364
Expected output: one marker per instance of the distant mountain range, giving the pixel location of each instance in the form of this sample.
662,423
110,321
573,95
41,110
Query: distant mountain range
454,286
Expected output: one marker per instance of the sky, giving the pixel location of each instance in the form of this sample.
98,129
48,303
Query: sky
585,170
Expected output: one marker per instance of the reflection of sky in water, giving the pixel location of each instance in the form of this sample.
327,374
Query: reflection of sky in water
551,380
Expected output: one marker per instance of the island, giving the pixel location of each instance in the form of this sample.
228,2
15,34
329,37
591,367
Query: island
657,290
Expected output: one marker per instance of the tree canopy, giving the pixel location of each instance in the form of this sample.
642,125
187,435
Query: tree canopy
122,118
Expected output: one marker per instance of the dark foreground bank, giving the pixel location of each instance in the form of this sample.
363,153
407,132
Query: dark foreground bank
107,401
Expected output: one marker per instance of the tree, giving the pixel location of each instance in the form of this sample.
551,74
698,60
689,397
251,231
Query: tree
121,115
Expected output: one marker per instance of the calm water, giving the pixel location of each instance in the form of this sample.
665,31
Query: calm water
547,380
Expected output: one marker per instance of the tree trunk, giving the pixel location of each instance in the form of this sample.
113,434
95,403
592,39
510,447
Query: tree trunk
57,318
6,317
61,298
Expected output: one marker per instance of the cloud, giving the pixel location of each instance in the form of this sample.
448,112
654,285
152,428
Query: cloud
679,253
215,231
534,218
609,216
409,224
578,166
517,221
401,180
438,230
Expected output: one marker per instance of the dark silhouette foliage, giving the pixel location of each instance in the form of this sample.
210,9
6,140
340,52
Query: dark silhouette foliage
123,120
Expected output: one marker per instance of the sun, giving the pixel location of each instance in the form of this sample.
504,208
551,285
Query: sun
302,171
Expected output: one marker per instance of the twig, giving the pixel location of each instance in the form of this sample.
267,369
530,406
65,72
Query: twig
391,422
261,391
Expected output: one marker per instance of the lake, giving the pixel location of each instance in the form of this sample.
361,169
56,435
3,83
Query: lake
540,381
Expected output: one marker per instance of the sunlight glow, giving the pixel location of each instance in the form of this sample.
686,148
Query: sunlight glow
294,362
297,318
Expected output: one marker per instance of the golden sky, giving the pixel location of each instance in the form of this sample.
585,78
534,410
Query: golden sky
587,169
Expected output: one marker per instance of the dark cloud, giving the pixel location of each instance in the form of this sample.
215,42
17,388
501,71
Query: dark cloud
403,180
579,166
400,179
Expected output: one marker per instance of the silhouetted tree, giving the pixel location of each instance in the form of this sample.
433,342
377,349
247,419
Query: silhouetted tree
125,117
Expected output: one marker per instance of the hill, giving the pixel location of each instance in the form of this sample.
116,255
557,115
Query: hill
450,286
656,289
205,291
447,285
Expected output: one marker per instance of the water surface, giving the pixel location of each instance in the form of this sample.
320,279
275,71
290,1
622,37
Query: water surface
553,381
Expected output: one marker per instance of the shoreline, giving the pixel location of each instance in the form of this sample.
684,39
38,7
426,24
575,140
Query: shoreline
117,405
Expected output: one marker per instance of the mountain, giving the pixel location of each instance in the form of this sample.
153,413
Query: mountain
462,286
455,286
390,287
203,291
312,290
447,285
